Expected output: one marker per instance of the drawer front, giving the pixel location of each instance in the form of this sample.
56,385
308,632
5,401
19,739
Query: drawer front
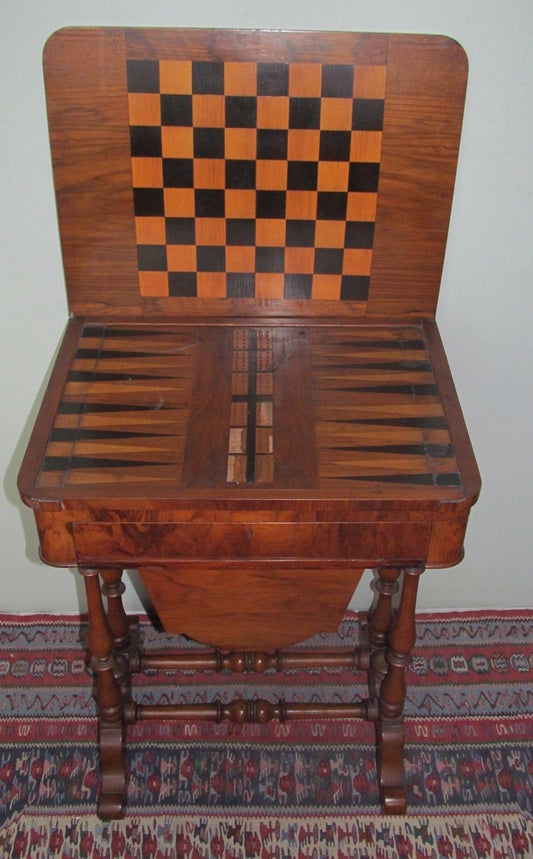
131,543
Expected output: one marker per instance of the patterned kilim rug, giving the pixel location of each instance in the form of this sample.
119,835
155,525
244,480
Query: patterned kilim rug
296,790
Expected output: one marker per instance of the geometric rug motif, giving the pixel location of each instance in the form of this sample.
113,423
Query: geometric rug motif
222,836
202,790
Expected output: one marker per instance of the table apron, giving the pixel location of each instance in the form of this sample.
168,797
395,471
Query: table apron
132,543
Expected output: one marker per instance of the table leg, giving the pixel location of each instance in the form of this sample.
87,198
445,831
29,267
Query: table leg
379,623
124,629
101,640
112,589
390,725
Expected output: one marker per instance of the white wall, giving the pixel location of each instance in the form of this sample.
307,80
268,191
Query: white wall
485,312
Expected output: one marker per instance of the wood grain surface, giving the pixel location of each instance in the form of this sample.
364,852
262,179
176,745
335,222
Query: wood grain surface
414,150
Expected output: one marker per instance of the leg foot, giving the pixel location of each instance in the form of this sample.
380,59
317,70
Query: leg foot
394,800
390,758
112,772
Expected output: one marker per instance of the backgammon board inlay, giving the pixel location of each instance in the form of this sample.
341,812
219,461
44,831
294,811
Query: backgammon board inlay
350,404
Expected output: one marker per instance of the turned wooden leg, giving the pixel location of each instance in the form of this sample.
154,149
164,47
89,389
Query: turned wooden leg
125,630
112,589
379,623
109,698
390,725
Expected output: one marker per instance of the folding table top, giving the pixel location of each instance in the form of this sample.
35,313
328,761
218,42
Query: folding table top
204,172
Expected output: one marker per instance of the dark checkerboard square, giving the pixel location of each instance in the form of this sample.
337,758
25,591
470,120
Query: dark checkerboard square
182,284
208,142
240,285
270,259
143,75
145,141
364,176
240,174
337,81
304,113
328,260
211,258
302,175
298,286
272,79
209,204
152,257
178,172
176,110
359,234
300,234
368,114
180,231
335,145
270,204
240,231
207,78
272,144
148,202
331,205
241,111
354,287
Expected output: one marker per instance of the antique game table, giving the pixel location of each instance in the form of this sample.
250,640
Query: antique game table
251,403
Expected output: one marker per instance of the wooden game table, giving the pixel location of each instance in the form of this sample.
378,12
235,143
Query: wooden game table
251,403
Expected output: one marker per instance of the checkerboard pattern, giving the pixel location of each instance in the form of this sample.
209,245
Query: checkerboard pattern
255,180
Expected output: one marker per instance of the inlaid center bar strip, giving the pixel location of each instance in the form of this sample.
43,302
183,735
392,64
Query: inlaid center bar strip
251,408
251,434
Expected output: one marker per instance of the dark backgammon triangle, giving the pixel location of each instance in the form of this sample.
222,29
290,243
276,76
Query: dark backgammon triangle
97,376
100,330
412,479
62,434
383,344
444,451
67,463
415,366
66,408
414,423
115,354
417,390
